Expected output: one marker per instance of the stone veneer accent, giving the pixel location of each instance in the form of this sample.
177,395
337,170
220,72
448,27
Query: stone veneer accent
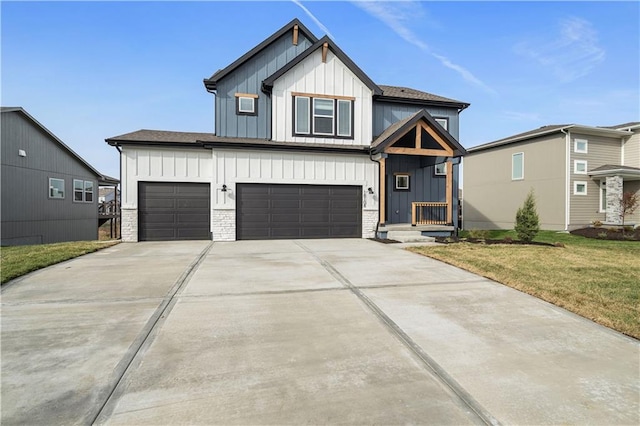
369,222
614,195
129,225
223,225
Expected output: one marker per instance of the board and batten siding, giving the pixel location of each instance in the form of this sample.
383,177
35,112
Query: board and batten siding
632,150
248,78
387,113
601,150
161,165
331,78
492,198
28,215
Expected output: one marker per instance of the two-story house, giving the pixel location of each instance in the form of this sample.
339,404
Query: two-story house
306,146
578,174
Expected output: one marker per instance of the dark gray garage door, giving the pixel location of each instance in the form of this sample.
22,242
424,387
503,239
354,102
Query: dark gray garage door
270,211
173,211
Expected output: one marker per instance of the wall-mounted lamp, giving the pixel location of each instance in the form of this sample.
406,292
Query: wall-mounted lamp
370,190
224,188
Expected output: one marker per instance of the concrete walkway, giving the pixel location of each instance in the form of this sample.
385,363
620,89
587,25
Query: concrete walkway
307,331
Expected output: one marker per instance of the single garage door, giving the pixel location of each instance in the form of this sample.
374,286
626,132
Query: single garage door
173,211
272,211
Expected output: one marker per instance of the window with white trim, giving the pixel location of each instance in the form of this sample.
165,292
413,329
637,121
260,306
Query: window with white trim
402,182
581,146
517,166
323,116
441,169
580,167
579,188
82,191
246,104
444,122
603,196
56,188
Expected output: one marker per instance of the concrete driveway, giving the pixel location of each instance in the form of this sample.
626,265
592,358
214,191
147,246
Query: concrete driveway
306,331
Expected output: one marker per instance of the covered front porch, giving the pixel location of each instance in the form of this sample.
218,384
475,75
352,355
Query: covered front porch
419,163
614,181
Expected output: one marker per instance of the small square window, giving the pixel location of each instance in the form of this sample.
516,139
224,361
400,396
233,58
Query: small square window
581,146
580,167
579,188
444,122
441,169
56,188
402,182
246,104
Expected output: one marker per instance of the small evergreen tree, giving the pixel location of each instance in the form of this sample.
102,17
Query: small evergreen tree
527,223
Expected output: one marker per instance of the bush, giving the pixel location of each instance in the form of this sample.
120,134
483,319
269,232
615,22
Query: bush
478,234
596,224
527,222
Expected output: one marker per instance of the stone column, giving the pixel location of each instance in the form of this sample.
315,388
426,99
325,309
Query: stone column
614,195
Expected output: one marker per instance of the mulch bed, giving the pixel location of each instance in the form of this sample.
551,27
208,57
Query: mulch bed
603,233
454,240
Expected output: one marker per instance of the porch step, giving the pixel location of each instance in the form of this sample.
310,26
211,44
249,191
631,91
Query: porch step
408,236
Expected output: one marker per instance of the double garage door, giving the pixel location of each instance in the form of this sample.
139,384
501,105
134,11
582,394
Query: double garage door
181,211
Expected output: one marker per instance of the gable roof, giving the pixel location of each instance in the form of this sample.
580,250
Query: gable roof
404,94
211,82
267,84
630,125
547,130
20,110
401,127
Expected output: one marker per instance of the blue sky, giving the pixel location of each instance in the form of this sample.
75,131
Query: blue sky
91,70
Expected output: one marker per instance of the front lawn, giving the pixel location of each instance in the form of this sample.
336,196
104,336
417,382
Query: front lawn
597,279
19,260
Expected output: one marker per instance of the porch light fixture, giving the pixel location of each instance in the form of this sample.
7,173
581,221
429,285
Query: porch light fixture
224,188
370,190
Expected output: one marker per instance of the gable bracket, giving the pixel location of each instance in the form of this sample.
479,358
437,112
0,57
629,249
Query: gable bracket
295,35
325,49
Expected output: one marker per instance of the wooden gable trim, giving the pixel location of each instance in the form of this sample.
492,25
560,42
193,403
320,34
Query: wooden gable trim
295,35
419,151
325,50
446,150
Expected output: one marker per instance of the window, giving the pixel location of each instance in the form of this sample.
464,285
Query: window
402,182
580,167
246,104
517,166
56,188
579,188
603,196
444,122
441,169
580,146
82,191
323,116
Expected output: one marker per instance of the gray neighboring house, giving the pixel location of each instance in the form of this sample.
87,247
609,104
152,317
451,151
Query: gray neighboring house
49,193
578,174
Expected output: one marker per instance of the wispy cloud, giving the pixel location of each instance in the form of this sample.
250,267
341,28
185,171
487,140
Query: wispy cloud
313,17
397,16
573,53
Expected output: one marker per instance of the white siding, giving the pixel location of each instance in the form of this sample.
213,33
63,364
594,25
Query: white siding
161,165
332,78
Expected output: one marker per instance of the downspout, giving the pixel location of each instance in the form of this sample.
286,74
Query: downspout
378,162
116,194
567,183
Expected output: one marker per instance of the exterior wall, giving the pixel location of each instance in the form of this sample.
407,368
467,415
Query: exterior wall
632,186
387,113
631,156
601,150
248,79
139,164
29,216
315,77
246,166
491,198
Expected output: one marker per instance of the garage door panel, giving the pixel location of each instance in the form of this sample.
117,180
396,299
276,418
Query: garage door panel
173,211
298,211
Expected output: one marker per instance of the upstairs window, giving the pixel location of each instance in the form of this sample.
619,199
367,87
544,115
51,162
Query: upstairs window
517,166
56,188
323,116
580,146
580,167
444,122
246,104
441,169
82,191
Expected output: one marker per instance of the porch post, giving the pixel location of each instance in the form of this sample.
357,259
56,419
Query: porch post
383,184
614,195
448,189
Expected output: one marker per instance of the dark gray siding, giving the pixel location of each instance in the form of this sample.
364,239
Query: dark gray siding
387,113
29,216
248,79
424,185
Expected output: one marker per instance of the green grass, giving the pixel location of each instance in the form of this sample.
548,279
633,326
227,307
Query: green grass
19,260
597,279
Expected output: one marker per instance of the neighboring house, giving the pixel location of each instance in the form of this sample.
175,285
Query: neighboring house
107,194
49,193
306,146
578,174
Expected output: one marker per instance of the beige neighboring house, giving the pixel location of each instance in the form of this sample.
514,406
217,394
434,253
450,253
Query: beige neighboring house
578,173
